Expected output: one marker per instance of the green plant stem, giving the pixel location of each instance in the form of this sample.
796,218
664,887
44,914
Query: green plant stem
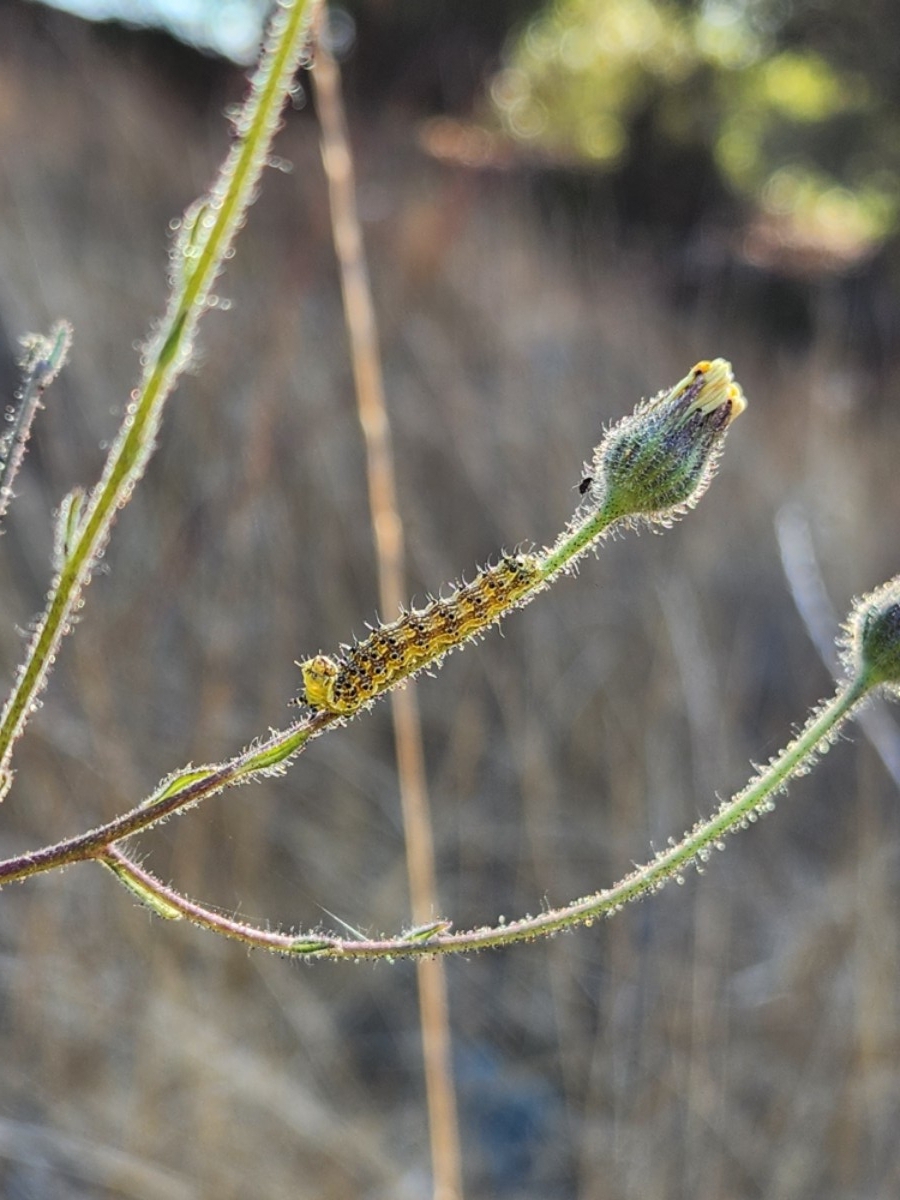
212,227
187,787
737,813
176,794
575,541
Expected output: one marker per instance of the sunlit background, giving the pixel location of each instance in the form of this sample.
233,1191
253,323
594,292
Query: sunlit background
565,205
783,98
228,27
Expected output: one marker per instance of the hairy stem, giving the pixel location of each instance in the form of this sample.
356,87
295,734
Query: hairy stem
737,813
708,381
180,791
43,359
208,231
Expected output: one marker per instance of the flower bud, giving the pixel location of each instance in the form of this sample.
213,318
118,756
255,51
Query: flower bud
658,462
872,646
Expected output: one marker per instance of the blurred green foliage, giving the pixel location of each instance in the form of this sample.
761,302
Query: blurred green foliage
791,121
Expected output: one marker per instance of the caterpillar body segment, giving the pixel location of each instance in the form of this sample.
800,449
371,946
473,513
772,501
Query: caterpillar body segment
417,639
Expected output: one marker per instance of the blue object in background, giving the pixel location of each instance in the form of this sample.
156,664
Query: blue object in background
510,1117
232,28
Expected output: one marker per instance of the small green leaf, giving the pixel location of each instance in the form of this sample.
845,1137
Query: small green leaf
309,946
147,896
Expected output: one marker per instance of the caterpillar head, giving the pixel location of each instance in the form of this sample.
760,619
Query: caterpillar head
319,677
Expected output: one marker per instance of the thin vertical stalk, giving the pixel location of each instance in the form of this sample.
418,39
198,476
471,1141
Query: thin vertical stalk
41,363
387,526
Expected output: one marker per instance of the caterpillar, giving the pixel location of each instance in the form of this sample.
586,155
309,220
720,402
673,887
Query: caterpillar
418,638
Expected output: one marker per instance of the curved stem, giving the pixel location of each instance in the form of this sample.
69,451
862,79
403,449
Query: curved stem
737,813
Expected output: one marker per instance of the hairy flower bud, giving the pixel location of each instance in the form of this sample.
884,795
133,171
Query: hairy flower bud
872,645
658,462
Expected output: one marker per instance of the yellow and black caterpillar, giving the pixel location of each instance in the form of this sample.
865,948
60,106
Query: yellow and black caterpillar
418,638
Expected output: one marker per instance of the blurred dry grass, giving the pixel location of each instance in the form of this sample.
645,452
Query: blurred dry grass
736,1037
